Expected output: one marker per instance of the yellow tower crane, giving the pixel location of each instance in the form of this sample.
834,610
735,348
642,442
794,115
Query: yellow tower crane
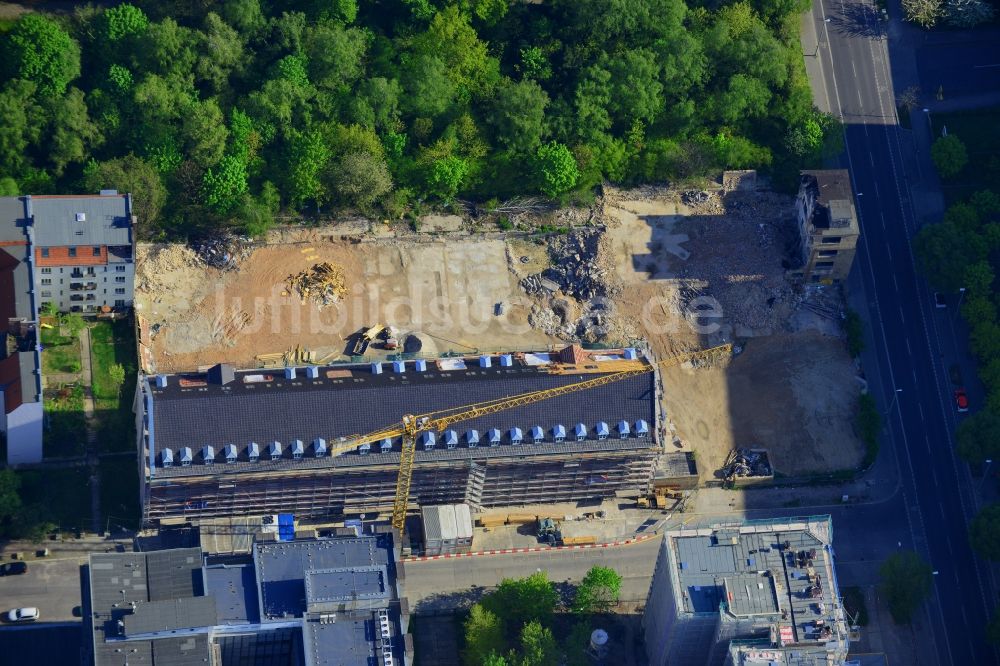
412,425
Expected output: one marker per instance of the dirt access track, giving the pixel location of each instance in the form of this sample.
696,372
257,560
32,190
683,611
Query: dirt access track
443,292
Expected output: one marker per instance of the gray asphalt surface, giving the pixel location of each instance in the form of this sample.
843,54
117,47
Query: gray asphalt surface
959,68
921,419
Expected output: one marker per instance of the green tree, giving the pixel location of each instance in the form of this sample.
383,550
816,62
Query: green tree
430,90
636,92
222,53
484,635
10,500
117,375
73,134
23,120
361,179
246,16
8,187
984,532
122,22
134,175
204,131
924,13
538,645
73,322
37,49
556,169
445,176
979,279
308,155
944,252
452,39
978,437
225,185
518,115
518,601
949,155
336,55
598,592
906,583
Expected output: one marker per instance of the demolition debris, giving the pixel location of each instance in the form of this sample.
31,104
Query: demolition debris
224,253
324,284
745,467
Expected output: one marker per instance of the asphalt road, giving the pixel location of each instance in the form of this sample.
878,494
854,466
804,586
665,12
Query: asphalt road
935,484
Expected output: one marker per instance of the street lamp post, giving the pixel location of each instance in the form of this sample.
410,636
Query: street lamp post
894,397
958,306
986,474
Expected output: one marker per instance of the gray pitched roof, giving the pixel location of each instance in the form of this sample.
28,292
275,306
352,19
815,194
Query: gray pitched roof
107,220
13,219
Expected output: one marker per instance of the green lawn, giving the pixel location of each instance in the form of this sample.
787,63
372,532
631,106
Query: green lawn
114,343
61,496
980,132
120,491
60,354
65,431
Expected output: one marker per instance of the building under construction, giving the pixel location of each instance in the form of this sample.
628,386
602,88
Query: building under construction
252,442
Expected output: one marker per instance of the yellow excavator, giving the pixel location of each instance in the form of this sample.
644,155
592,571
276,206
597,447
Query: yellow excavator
412,425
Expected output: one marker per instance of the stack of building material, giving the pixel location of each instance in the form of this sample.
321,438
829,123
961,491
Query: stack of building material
324,284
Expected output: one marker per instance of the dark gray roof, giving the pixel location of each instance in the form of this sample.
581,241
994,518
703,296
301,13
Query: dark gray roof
347,638
171,614
13,219
117,580
282,567
107,220
234,589
361,402
345,584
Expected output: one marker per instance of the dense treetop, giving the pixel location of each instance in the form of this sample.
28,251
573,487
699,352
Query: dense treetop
221,113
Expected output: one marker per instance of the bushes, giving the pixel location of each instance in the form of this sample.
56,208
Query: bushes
868,424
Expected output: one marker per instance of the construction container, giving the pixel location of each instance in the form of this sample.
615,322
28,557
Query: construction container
521,518
447,529
579,540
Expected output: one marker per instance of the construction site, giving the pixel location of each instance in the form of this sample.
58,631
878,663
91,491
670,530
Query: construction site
661,271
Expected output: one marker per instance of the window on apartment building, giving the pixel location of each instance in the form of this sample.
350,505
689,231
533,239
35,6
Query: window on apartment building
120,268
828,253
831,240
44,303
119,279
46,271
45,252
97,250
72,252
120,290
46,281
46,294
119,302
823,264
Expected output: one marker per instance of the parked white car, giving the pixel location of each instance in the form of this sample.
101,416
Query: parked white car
23,615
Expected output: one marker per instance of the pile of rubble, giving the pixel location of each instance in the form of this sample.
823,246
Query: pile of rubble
745,463
579,268
737,258
224,253
324,284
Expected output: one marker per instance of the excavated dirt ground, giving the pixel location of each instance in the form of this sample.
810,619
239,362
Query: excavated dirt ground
792,390
445,292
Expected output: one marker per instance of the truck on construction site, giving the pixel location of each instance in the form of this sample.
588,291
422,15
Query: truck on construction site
663,500
549,532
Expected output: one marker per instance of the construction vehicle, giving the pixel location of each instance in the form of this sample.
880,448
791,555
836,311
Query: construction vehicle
412,425
366,338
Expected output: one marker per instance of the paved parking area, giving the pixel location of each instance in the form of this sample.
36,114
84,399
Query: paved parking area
42,644
52,586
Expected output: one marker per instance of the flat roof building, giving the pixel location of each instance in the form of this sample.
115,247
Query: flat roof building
757,592
294,603
262,415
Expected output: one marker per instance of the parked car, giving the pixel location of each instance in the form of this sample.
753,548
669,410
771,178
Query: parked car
23,615
13,568
961,400
939,301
